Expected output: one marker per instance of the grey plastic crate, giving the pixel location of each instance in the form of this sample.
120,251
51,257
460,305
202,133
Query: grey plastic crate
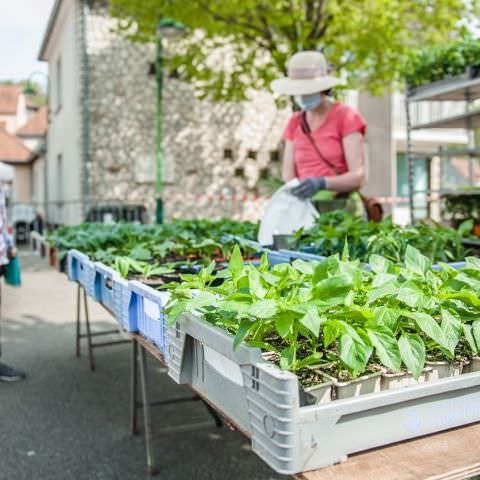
264,402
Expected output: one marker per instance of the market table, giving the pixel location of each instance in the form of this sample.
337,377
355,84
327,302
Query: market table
449,455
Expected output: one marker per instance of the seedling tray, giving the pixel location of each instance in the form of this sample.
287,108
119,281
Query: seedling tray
146,311
264,402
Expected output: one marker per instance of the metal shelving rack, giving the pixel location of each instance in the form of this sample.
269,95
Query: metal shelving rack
465,88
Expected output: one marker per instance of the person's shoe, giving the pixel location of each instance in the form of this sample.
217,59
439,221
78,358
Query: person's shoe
9,374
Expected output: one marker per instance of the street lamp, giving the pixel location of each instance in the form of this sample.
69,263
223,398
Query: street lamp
166,28
29,91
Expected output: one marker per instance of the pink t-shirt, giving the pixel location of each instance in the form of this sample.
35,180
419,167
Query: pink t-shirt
340,121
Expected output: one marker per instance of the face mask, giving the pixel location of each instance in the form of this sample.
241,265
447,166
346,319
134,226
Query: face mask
308,102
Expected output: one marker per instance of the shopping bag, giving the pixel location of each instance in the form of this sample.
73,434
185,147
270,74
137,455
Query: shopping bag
12,272
285,214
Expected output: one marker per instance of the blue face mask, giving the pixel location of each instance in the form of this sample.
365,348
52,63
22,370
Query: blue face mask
308,102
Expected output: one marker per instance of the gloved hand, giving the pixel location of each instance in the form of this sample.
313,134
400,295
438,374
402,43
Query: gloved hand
309,187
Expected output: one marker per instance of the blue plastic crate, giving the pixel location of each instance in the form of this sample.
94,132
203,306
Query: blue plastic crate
308,257
275,257
121,302
147,310
103,285
78,267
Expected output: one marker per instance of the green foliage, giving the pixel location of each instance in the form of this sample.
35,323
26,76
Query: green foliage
232,46
365,239
141,249
436,63
327,313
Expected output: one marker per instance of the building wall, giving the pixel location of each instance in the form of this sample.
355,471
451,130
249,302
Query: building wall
63,140
10,122
38,184
23,183
380,154
199,179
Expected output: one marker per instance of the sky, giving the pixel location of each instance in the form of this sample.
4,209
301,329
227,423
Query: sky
22,25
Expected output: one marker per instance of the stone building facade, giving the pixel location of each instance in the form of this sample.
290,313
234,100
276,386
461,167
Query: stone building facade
215,155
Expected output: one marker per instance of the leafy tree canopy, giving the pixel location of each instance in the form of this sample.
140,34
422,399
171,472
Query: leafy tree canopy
232,46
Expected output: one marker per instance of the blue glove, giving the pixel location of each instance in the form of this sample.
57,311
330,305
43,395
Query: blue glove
309,187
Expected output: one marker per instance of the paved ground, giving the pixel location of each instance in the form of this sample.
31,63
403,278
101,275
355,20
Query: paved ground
64,422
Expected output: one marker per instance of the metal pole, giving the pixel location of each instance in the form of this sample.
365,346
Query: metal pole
85,189
471,138
159,146
410,164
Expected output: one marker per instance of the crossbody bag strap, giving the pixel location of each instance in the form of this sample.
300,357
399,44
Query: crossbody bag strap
306,130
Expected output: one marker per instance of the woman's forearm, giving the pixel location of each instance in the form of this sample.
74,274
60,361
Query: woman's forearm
347,182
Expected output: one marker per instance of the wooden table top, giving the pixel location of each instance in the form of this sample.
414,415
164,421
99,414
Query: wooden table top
449,455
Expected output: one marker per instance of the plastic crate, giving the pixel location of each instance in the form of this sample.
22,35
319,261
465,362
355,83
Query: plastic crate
308,257
121,303
103,285
264,402
275,258
76,270
146,309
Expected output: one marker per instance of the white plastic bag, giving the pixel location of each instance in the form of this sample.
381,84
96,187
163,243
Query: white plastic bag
285,214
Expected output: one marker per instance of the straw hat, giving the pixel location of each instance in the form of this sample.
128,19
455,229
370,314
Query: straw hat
307,73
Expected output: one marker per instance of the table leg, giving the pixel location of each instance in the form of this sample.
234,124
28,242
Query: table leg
89,333
77,340
152,469
133,388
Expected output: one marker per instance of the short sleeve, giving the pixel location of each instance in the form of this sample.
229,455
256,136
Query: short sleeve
292,125
351,122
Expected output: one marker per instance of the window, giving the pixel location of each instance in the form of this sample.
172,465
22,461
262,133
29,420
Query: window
59,83
59,178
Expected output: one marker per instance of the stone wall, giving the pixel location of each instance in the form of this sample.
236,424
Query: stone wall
214,153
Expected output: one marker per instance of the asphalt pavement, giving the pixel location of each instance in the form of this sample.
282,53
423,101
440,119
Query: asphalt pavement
64,422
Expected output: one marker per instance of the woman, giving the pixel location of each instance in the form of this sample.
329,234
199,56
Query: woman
7,251
324,142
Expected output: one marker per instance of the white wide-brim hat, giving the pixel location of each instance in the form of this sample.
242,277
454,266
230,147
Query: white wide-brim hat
307,73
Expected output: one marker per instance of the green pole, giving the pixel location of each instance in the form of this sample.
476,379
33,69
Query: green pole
159,146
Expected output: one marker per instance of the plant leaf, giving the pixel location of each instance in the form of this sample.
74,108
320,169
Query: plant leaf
416,262
476,332
235,265
387,316
380,264
242,332
386,347
452,329
255,283
284,323
353,354
429,326
467,333
312,320
412,351
263,309
287,357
